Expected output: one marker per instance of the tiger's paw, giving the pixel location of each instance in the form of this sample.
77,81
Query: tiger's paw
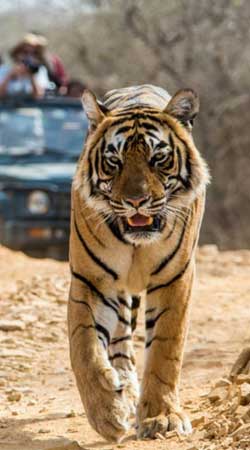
106,405
162,424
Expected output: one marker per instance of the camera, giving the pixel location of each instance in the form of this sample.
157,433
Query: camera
31,64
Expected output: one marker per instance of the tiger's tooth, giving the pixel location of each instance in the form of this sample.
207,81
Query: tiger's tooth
130,222
150,220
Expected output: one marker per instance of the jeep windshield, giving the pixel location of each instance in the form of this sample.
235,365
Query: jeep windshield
33,133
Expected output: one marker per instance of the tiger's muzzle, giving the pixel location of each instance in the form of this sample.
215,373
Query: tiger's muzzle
140,218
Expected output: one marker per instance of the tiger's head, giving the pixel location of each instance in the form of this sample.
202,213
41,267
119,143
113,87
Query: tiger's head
140,167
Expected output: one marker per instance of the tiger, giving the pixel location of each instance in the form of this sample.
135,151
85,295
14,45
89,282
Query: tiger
138,199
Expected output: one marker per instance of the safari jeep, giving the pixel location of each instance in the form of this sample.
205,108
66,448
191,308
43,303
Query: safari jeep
40,142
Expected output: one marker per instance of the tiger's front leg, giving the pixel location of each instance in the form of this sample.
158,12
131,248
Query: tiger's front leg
121,349
159,408
93,320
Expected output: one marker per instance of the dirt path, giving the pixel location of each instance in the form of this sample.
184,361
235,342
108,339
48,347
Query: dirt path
40,406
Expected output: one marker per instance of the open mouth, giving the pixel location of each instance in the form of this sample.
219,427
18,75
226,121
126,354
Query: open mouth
142,223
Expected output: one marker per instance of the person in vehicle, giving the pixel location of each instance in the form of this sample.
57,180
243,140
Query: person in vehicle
52,62
27,75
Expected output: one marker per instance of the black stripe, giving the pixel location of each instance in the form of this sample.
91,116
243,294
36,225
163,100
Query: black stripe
82,327
97,326
103,145
90,173
119,355
115,230
82,302
175,133
147,115
124,338
171,141
179,159
94,289
153,118
123,302
168,258
175,278
134,322
136,302
130,109
125,321
96,163
103,342
148,126
152,135
120,121
150,323
185,182
172,230
93,256
123,129
104,331
161,144
149,310
110,303
159,339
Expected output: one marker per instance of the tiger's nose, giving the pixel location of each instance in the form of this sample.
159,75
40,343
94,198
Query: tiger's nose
137,200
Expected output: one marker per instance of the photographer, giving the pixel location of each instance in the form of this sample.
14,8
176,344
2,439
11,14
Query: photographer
53,63
27,76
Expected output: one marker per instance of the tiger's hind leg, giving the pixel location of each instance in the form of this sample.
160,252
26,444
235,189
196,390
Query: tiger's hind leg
92,319
121,352
159,409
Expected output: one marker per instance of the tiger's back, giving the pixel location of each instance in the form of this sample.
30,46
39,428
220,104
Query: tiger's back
146,95
137,206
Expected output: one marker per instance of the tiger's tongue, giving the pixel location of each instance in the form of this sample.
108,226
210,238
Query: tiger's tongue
139,220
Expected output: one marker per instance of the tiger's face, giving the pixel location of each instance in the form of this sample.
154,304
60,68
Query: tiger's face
140,168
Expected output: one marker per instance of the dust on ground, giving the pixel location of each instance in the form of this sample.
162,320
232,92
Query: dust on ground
40,405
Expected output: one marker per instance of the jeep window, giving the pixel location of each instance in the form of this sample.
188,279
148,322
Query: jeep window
35,131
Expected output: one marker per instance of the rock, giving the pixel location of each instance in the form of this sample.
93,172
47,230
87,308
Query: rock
71,414
65,444
199,420
14,396
12,325
223,382
241,432
218,394
246,416
159,436
245,394
242,378
242,364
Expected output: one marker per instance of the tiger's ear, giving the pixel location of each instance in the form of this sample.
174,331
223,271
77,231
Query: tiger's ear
95,110
184,106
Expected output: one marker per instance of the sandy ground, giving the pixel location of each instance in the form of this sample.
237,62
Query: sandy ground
40,406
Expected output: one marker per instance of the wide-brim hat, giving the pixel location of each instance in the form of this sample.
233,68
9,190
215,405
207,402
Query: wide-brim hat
35,40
